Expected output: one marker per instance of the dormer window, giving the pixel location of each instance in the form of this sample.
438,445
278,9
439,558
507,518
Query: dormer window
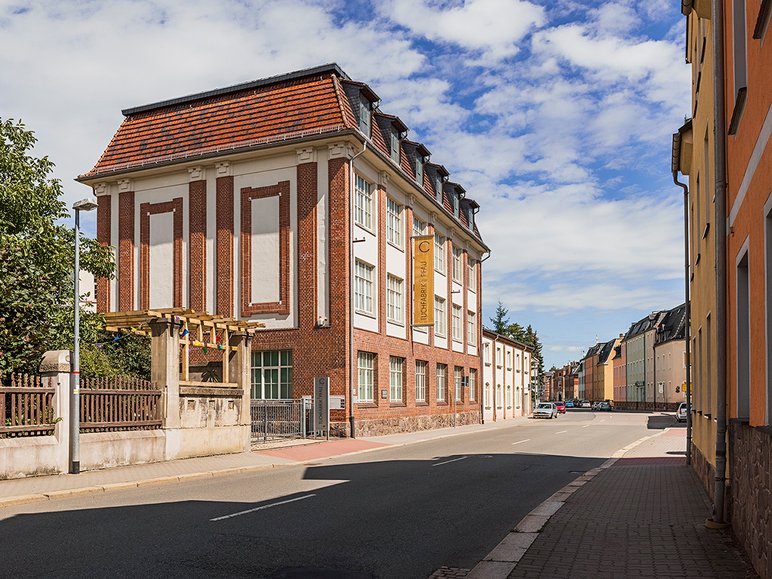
456,203
394,146
438,190
470,217
419,171
364,116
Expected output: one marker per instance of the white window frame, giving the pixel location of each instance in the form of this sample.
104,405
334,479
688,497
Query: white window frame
439,252
419,226
442,382
471,332
458,253
457,320
471,266
394,300
472,384
440,315
364,284
364,204
487,354
396,379
366,376
394,223
421,374
458,383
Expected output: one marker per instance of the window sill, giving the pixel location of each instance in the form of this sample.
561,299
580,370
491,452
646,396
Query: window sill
421,403
395,322
441,403
706,230
396,246
396,404
365,314
367,404
365,228
737,113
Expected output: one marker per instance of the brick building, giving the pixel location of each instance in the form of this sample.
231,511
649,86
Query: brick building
292,201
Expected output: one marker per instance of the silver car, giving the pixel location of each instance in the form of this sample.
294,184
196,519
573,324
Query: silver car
545,410
680,414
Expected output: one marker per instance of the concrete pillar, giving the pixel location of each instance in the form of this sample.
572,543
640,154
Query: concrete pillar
56,366
165,367
239,364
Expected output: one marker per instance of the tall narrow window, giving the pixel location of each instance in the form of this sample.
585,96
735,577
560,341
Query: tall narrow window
439,253
394,299
363,287
419,227
487,353
456,203
708,367
471,265
441,382
366,376
471,331
458,254
458,333
395,378
739,46
394,222
458,382
421,370
743,350
438,189
440,316
364,116
472,385
395,146
363,203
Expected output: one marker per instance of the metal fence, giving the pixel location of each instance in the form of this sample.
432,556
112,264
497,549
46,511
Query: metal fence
120,403
26,406
280,419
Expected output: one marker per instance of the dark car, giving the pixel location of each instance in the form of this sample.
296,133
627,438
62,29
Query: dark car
605,405
561,406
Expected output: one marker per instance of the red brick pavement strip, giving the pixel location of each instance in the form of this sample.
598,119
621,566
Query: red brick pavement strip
638,518
324,450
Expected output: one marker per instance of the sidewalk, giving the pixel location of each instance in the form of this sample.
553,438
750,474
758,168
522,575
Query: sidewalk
641,515
42,488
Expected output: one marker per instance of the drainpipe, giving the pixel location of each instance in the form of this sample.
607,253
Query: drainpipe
687,325
719,130
352,366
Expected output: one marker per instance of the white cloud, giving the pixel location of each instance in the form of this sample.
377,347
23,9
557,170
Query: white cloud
493,27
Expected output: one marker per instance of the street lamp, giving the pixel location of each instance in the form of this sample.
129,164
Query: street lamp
78,206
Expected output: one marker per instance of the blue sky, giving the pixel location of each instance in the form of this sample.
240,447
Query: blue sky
555,116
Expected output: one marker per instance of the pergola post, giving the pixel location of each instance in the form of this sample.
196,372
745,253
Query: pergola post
165,366
239,364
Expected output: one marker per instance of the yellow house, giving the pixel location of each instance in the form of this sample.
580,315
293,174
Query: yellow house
693,155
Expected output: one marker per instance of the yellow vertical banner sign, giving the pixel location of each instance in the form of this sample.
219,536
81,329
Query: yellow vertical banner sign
423,280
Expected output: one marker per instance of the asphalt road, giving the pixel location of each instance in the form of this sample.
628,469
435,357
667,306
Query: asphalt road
396,512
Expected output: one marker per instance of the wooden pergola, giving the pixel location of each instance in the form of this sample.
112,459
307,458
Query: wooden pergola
198,330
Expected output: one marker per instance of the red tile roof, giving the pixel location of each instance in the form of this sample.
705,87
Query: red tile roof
295,105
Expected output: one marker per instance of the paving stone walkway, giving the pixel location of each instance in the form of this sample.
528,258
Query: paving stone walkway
642,517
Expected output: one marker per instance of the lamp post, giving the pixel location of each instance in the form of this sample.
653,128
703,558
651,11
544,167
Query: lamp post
78,206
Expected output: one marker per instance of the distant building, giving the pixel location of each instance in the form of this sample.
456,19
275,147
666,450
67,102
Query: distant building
670,360
620,372
506,377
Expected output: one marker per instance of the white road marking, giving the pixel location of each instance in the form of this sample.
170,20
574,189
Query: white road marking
261,508
521,441
586,425
562,432
449,461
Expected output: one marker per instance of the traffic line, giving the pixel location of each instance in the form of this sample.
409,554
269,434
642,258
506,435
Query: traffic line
562,432
521,441
261,508
586,425
449,461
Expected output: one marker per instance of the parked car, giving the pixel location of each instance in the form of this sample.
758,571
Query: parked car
680,414
545,410
569,403
560,406
595,405
605,405
586,404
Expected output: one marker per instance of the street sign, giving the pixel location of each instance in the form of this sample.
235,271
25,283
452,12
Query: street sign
322,405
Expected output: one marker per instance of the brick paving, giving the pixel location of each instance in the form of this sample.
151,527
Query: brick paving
643,517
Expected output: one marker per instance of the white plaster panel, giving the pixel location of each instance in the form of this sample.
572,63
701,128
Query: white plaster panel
263,178
367,251
441,285
458,346
114,239
420,336
471,301
396,330
458,293
264,250
322,236
211,240
162,260
440,342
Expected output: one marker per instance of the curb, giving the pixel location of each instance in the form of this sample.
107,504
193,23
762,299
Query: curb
500,562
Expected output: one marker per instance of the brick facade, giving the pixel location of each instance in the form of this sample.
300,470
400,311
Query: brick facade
197,245
104,223
224,248
126,250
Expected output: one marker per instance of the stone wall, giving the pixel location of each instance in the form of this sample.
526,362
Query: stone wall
413,423
705,471
750,508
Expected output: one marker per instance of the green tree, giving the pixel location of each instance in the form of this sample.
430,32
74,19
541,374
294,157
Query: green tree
500,319
532,339
37,258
